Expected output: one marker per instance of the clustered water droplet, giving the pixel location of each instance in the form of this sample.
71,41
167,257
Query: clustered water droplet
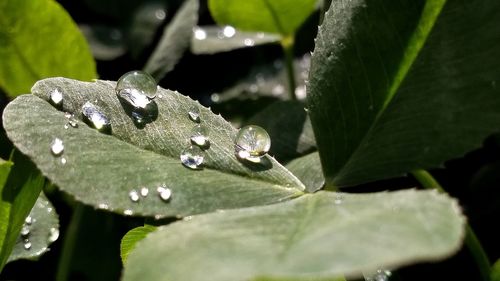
57,147
136,88
192,157
95,116
252,143
379,275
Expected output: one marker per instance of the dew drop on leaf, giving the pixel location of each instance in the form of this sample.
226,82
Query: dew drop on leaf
25,231
134,196
28,220
27,244
95,116
194,114
251,143
199,34
248,42
139,82
144,191
128,212
379,275
57,147
164,192
192,157
56,96
199,135
71,120
53,234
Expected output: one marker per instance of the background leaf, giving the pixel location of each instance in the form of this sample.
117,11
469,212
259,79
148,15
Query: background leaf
131,238
411,91
36,45
43,230
101,170
208,40
495,271
274,16
17,197
175,40
320,235
308,169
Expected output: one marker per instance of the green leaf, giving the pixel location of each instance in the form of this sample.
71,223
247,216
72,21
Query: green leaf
495,271
43,230
274,16
207,40
38,39
318,235
401,85
131,238
18,194
175,40
101,170
308,169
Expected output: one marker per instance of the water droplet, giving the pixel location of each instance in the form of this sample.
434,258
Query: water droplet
228,31
252,142
128,212
29,220
199,33
72,121
164,192
57,147
27,244
63,161
199,135
379,275
192,157
194,114
25,231
144,191
300,92
133,195
56,96
338,199
53,234
95,116
137,88
248,42
103,206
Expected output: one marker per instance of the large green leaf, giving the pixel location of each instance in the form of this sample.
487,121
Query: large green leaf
175,40
18,193
400,85
38,39
43,226
101,169
274,16
319,235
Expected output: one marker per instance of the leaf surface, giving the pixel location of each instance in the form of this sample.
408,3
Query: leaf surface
36,45
308,169
101,170
132,238
413,90
318,235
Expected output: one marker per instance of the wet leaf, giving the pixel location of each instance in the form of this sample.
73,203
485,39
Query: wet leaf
318,235
101,170
23,62
415,89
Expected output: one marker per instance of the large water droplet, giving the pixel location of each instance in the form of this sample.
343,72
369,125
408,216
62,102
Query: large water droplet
56,96
228,31
164,192
57,147
199,136
95,116
53,234
133,195
136,88
251,143
379,275
192,157
194,114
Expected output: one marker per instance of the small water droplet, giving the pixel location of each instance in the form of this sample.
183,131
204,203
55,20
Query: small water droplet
72,121
56,96
29,220
144,191
57,147
199,33
137,88
194,114
63,160
25,231
164,192
338,199
53,234
128,212
27,245
248,42
95,116
133,195
251,143
228,31
192,157
199,135
103,206
379,275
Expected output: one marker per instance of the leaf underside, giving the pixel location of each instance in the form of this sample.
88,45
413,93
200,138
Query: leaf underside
101,169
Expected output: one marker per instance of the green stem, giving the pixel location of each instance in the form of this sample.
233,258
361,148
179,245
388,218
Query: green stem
471,241
287,43
69,244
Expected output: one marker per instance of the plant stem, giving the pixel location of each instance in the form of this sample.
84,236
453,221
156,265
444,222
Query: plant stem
70,238
471,241
287,43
